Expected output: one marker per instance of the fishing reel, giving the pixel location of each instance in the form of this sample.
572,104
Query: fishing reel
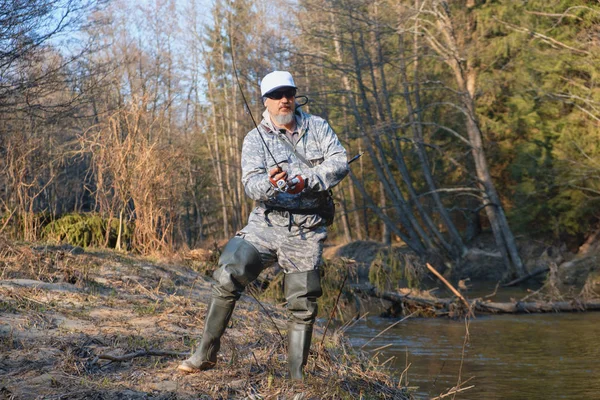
283,185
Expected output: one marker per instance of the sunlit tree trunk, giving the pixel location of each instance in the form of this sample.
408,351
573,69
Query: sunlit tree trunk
449,49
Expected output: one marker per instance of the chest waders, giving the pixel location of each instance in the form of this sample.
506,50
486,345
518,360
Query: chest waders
240,264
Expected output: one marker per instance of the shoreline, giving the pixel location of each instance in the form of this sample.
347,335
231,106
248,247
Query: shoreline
64,308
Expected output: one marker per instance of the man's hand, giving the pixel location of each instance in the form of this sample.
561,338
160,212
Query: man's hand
278,178
296,184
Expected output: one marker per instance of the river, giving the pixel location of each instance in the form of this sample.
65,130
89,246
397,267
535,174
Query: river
535,356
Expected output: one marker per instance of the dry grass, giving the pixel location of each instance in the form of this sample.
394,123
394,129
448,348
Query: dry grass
107,303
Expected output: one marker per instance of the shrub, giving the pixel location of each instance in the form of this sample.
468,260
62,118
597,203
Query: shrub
85,230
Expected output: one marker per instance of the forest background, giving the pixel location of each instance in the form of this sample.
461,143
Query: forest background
121,123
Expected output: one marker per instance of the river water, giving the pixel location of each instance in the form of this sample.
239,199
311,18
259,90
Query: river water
535,356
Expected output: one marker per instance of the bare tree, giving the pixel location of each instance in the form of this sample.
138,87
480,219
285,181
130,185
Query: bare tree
437,25
359,54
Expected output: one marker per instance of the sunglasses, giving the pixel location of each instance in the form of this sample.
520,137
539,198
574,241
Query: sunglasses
278,94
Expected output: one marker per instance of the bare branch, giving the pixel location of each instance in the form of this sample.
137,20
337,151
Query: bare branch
585,189
553,42
564,14
140,353
450,190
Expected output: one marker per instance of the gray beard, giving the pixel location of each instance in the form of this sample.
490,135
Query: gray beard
283,119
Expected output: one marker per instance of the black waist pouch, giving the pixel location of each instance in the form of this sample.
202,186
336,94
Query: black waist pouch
327,210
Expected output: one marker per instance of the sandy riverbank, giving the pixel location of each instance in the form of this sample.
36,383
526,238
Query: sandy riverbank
63,309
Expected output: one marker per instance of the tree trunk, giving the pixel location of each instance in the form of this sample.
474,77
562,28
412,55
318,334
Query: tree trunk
450,50
416,127
382,168
344,214
216,157
386,234
119,246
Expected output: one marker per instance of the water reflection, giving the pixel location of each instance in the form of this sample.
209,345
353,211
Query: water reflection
540,356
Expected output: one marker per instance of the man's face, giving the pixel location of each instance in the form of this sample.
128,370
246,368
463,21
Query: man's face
281,104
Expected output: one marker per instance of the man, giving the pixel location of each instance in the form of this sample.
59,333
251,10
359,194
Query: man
288,168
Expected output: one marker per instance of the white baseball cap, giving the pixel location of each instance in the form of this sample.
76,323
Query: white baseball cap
275,80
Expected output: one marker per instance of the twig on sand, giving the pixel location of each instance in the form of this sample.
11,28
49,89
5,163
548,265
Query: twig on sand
150,293
140,353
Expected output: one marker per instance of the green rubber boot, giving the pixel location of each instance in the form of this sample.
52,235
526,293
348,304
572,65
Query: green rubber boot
301,291
299,337
217,318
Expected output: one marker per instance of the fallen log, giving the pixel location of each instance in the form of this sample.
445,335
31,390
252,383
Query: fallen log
397,297
536,306
140,353
33,284
480,305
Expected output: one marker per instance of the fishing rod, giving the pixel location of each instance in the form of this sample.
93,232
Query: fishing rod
281,183
356,157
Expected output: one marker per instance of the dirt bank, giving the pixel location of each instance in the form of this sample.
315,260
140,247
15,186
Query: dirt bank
573,270
63,309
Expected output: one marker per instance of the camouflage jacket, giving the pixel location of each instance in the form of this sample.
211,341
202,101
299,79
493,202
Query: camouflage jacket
317,143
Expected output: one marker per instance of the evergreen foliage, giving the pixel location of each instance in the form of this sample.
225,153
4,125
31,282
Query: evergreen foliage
539,105
85,230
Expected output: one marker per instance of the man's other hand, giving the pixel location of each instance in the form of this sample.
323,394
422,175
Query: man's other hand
278,178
